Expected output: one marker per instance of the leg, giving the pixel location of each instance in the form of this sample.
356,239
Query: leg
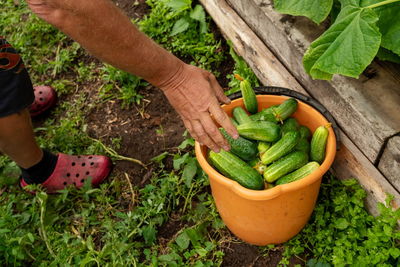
17,139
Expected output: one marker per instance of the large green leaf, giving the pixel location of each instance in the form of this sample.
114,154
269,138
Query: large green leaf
389,26
347,47
316,10
387,55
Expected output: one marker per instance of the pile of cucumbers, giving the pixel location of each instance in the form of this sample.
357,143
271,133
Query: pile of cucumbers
273,148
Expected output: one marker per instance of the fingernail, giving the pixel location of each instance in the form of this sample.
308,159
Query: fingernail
227,148
216,150
235,136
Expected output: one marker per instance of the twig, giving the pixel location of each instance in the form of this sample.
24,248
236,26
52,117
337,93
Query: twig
131,188
42,230
113,153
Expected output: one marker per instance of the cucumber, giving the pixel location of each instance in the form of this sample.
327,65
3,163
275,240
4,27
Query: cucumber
286,109
240,115
285,145
253,162
234,122
260,130
303,145
243,148
236,169
262,147
318,143
249,97
265,115
304,132
298,174
260,168
290,124
277,113
285,165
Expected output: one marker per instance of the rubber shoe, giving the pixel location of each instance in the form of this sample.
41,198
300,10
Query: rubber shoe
45,98
74,170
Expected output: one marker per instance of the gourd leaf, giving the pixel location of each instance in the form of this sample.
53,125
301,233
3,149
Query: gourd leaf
180,25
316,10
385,54
389,26
347,47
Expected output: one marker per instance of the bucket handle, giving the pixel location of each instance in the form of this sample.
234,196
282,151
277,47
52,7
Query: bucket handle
274,90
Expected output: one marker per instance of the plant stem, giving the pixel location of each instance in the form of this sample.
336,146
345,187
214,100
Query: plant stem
113,153
386,2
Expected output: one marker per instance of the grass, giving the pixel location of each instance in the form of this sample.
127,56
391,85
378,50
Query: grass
171,220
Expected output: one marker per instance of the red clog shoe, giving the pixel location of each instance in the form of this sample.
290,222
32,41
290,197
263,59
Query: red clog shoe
45,98
74,170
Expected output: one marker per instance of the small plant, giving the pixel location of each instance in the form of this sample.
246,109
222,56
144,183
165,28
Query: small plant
341,232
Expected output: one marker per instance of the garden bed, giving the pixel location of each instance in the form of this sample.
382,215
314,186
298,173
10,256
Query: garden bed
160,215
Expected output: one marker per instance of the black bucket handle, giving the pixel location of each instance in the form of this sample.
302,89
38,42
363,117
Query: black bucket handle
274,90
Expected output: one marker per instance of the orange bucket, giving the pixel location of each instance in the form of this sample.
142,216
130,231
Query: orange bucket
275,215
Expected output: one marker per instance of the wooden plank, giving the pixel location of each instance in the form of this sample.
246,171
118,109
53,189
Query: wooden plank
355,104
389,163
350,161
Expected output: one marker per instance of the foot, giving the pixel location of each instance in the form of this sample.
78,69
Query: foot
45,98
74,170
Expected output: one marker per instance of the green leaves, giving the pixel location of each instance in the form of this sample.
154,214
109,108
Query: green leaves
360,28
347,47
180,25
316,10
197,14
389,26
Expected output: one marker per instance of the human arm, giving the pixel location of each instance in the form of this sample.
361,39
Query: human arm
101,28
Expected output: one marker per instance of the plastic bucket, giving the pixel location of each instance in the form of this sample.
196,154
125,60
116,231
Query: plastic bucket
275,215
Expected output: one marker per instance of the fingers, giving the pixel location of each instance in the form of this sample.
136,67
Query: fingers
213,131
219,92
222,118
203,137
188,126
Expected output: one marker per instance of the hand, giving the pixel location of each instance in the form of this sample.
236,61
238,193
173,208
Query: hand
195,95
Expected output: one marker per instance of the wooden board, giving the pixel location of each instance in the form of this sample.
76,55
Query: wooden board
389,163
355,104
350,161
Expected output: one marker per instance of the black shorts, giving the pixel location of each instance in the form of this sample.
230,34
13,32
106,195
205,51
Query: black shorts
16,91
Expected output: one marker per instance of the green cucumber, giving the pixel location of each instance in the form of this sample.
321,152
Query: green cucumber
285,165
265,115
262,147
260,130
243,148
304,132
290,124
236,169
234,122
253,162
286,109
298,174
318,143
303,145
260,168
285,145
249,97
240,115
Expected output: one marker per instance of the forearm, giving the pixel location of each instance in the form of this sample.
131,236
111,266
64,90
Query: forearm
102,29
